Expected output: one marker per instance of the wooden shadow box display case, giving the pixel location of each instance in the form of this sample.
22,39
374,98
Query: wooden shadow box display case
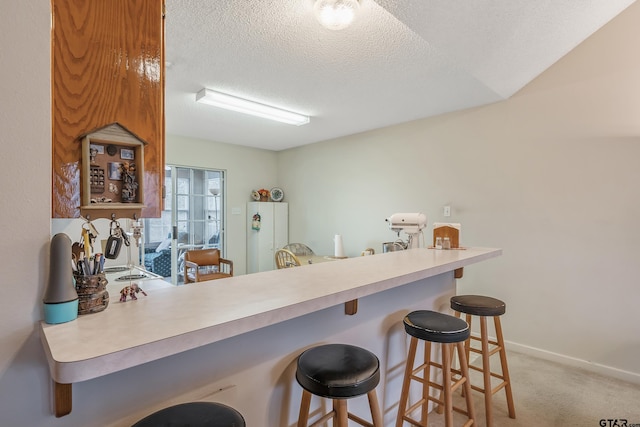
112,173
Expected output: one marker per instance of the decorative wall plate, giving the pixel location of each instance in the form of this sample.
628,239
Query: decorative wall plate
277,194
255,195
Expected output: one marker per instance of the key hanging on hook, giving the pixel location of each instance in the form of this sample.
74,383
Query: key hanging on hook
115,240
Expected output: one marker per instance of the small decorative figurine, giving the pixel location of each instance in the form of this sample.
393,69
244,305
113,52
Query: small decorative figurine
129,185
131,291
113,188
93,152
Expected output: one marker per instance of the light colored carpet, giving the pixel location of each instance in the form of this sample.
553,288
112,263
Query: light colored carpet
551,394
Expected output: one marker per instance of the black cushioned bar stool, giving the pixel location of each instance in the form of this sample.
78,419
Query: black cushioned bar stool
483,307
451,332
338,372
194,414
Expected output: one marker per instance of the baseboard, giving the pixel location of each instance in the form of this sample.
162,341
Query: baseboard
597,368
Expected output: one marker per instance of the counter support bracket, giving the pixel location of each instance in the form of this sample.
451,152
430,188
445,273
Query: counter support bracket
351,307
62,399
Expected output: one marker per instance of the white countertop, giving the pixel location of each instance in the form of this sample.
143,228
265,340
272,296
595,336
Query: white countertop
175,319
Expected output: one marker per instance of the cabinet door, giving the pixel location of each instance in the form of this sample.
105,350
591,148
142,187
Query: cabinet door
260,252
280,226
266,235
107,67
252,239
273,234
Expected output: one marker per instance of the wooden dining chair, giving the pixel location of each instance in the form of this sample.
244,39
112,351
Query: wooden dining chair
286,259
206,264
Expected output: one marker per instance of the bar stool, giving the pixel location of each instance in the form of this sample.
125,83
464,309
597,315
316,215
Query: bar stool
194,414
483,307
338,372
450,332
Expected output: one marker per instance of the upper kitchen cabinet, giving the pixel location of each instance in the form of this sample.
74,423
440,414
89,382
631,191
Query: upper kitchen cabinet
107,68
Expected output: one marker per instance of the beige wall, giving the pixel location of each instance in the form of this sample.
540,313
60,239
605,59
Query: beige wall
549,176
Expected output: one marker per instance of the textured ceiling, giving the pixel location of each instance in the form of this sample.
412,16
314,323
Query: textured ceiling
401,60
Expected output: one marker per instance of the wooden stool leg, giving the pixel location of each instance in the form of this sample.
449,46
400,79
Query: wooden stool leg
334,413
303,418
467,344
486,370
376,414
505,368
341,412
464,368
440,407
425,384
404,394
446,385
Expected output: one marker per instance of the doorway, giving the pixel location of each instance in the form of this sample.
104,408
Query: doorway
193,218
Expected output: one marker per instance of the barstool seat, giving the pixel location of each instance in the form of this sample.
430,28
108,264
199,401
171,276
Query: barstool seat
483,307
450,332
478,305
436,327
338,372
194,414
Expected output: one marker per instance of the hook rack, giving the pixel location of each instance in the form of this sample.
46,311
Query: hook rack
112,213
113,216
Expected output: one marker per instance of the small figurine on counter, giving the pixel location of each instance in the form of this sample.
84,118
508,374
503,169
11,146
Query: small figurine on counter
131,291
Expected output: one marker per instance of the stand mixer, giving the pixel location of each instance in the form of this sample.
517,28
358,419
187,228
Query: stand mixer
412,225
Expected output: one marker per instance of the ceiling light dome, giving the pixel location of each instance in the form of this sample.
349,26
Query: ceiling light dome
336,14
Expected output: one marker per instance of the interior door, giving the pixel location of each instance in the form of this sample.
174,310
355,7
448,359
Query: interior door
193,219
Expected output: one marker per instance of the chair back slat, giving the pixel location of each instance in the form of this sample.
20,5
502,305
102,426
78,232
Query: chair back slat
203,256
286,259
210,265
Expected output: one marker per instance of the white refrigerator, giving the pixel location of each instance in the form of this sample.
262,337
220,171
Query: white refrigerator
273,234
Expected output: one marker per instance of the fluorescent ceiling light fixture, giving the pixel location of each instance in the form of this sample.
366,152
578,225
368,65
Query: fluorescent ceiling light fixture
233,103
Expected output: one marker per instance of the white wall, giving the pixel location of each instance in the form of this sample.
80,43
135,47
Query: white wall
25,120
246,169
550,176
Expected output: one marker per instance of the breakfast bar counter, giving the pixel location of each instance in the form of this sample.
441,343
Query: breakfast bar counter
177,319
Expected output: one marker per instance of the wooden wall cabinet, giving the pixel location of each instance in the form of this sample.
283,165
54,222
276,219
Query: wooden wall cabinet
107,67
